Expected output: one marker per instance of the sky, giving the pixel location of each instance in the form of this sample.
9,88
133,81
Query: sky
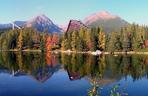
61,11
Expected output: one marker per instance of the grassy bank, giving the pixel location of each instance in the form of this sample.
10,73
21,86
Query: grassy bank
79,52
90,52
15,50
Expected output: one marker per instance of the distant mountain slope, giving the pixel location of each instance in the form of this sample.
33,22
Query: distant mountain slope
63,27
107,21
10,25
20,23
5,26
75,25
43,23
40,23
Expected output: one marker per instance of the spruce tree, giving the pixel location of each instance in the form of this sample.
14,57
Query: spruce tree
101,39
74,40
20,40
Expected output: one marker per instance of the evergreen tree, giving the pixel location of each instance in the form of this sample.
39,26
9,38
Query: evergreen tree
69,39
101,39
74,40
111,43
94,39
42,42
80,44
20,40
88,40
64,44
118,44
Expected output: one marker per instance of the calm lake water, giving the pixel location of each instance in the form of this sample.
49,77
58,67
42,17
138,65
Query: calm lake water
36,74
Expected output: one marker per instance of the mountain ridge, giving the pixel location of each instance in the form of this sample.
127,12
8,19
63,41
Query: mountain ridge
106,20
99,15
42,23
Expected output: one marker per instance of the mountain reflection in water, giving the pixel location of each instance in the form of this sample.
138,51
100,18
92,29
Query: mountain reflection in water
97,70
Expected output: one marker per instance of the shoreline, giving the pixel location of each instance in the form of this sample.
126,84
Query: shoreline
20,51
105,53
78,52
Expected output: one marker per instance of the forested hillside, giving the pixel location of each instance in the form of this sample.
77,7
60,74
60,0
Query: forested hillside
131,38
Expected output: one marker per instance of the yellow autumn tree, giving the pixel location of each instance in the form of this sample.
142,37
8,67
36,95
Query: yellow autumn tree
101,39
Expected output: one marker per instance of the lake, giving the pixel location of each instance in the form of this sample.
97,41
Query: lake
38,74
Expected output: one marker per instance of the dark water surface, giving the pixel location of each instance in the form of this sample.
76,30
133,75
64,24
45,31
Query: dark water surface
36,74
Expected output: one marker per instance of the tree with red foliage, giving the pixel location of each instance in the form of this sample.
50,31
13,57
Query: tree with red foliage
51,41
55,39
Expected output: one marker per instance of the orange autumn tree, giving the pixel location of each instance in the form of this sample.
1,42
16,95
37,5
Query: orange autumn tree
55,39
51,41
51,60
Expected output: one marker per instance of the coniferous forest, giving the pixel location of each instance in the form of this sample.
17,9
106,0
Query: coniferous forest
131,38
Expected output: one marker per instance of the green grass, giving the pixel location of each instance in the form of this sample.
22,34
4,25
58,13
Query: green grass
142,50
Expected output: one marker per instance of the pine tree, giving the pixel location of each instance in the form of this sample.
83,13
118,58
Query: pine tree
94,39
74,40
20,40
111,43
42,42
65,41
80,44
69,39
101,39
64,44
118,44
88,40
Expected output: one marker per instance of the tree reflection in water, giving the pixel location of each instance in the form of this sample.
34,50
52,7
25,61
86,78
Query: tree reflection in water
36,65
98,70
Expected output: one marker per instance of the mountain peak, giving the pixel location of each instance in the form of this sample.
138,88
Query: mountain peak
42,16
107,21
104,15
42,23
41,19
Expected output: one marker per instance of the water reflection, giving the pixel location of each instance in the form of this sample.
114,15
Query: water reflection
105,66
98,70
40,66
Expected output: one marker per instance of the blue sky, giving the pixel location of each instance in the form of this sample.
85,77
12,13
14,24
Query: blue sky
61,11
